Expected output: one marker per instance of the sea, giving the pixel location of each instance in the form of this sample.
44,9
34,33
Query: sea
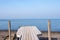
41,24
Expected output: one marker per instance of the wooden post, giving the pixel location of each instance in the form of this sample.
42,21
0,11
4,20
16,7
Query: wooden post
49,30
9,29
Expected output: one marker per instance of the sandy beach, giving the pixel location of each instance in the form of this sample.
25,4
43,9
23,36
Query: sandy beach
4,33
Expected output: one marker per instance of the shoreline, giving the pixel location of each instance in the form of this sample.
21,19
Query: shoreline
4,33
41,31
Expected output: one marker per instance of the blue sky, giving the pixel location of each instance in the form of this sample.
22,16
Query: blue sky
29,9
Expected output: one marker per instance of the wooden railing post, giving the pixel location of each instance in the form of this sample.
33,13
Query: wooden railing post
49,30
9,29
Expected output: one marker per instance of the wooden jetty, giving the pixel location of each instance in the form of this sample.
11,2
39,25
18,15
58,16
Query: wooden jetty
28,33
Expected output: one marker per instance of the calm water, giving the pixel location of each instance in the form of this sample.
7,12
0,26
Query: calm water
40,23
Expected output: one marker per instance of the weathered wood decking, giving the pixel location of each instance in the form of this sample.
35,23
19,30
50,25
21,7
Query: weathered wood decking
28,33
